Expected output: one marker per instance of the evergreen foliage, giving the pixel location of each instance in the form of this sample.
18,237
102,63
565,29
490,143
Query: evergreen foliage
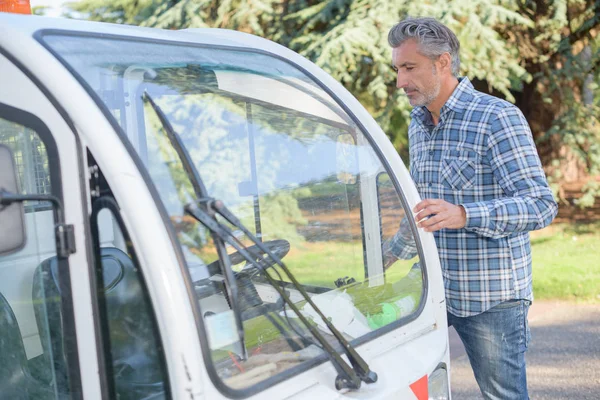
526,51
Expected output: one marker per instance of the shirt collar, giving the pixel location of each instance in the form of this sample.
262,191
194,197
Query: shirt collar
457,102
461,96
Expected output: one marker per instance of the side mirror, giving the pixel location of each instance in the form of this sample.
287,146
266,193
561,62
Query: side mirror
346,159
12,215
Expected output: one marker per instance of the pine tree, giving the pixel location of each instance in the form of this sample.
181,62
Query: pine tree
527,51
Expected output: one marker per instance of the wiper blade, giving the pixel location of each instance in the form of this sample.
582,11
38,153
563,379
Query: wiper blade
200,192
359,365
348,377
204,211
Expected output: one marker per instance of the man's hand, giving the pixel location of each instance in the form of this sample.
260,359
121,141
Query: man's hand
388,257
388,260
441,215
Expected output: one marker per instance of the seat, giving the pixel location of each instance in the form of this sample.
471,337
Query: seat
135,350
47,309
13,361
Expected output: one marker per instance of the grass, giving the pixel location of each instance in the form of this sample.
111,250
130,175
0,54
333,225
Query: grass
566,266
321,264
566,262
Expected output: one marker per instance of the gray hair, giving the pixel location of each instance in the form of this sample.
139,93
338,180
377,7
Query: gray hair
433,37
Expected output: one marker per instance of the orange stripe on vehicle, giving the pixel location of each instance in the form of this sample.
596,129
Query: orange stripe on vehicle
420,388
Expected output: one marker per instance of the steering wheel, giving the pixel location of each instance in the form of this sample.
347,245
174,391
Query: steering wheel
247,292
279,248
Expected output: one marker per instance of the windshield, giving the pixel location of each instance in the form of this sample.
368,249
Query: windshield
291,164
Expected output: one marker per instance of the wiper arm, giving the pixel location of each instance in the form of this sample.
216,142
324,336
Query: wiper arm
348,377
204,211
200,192
359,365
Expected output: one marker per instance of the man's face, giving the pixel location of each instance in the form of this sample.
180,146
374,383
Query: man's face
417,74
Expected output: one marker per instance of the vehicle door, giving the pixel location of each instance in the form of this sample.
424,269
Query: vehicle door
48,347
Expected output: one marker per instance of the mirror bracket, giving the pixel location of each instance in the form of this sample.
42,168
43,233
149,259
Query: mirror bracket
64,233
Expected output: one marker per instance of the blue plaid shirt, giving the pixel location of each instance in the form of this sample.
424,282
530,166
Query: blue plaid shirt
481,155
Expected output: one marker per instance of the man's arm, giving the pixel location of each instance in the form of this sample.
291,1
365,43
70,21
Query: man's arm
401,246
529,204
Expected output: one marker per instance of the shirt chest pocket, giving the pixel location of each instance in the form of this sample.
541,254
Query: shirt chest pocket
459,169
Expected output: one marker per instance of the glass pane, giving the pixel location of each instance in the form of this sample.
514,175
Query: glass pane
31,161
137,367
403,270
279,151
32,352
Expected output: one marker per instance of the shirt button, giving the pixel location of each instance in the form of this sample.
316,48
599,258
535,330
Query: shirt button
430,184
431,152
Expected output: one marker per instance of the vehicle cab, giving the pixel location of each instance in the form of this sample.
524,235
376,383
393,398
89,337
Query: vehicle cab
202,214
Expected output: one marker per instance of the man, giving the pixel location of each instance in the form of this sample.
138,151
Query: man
474,162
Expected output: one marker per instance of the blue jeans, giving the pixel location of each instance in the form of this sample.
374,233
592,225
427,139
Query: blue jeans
496,342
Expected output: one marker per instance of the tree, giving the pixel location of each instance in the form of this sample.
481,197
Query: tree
553,53
526,51
131,12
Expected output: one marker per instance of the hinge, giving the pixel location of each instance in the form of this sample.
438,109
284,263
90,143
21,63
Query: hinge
94,181
65,240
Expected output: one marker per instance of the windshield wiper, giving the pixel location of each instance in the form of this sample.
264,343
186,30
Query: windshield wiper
349,377
205,209
200,192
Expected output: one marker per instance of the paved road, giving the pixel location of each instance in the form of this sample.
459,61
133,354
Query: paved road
563,358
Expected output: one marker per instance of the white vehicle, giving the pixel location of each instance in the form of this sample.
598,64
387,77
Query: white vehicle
200,214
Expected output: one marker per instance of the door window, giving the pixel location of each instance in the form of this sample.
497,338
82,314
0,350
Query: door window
33,349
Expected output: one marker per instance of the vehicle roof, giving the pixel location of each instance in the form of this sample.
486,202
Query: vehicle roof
30,24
